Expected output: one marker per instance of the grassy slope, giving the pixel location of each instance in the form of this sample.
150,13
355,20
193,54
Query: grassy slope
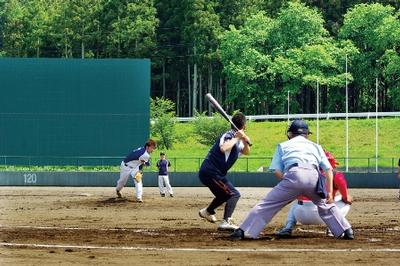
265,136
188,153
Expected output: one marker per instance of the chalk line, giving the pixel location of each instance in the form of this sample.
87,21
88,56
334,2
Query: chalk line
248,250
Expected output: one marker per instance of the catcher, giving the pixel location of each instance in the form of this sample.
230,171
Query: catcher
132,166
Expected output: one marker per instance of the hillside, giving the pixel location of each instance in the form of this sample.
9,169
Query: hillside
265,136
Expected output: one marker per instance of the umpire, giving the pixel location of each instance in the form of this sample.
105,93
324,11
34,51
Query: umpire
296,162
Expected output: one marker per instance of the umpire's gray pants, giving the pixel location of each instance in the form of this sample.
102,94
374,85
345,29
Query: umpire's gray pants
297,181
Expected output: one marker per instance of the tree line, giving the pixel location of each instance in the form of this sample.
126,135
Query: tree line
250,54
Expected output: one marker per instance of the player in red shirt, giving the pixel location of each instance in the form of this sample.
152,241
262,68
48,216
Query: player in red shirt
305,212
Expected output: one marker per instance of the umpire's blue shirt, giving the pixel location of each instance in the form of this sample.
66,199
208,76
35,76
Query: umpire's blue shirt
217,163
298,150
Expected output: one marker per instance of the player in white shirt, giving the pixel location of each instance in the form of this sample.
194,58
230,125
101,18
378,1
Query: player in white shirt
131,165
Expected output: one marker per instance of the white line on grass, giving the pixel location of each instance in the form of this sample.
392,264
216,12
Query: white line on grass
252,250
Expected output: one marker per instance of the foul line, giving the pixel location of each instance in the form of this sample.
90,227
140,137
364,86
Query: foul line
252,250
71,228
154,231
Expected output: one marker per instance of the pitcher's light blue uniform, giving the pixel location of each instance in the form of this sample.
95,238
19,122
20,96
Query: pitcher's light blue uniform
297,158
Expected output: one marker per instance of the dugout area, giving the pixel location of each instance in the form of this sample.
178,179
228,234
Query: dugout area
73,107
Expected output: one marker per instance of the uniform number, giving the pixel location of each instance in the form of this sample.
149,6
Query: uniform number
30,178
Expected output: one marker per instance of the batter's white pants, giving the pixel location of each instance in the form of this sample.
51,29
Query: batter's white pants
308,212
125,172
164,180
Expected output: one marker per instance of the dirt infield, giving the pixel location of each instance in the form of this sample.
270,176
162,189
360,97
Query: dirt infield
52,225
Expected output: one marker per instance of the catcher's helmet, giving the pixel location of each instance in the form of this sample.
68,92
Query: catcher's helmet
331,159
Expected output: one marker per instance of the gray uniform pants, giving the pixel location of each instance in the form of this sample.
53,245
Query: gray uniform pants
297,181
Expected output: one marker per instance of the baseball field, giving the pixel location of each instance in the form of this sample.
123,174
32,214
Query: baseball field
83,226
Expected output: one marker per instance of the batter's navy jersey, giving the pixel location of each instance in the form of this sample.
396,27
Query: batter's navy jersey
218,163
163,167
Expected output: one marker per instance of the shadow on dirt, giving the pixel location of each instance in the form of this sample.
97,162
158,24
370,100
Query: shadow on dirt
113,200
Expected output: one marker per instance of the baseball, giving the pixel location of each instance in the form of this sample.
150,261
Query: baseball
152,122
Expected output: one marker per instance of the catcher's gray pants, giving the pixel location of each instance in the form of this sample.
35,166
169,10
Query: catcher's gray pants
297,181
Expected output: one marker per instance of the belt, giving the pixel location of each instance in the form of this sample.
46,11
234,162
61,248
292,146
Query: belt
128,165
303,165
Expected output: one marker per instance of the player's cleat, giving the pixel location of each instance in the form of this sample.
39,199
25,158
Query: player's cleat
162,194
238,234
328,232
118,194
203,213
139,200
171,195
284,232
348,234
227,225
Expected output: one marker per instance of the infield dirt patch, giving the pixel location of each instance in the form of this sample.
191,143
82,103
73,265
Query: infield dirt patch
76,226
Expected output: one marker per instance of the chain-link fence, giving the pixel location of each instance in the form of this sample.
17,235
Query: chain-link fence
178,164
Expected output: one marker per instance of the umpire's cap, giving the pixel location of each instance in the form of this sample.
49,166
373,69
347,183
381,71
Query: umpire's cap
299,126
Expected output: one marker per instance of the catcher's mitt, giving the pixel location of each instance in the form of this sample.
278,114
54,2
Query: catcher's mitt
138,176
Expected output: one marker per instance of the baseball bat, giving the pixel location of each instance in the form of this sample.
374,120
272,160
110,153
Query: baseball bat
220,110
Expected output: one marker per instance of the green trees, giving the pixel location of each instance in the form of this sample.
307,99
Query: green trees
246,63
375,30
129,27
162,116
208,129
13,30
248,53
268,57
78,28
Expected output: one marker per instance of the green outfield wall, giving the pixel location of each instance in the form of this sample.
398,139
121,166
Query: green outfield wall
177,179
73,107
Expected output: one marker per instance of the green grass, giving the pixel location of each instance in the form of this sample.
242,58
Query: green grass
188,153
332,136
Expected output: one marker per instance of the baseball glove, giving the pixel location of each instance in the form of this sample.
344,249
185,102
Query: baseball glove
138,176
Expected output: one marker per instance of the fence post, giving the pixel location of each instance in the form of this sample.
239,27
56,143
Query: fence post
174,164
368,164
247,164
392,165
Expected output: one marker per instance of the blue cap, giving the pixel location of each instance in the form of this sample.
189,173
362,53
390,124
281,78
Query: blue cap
299,126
